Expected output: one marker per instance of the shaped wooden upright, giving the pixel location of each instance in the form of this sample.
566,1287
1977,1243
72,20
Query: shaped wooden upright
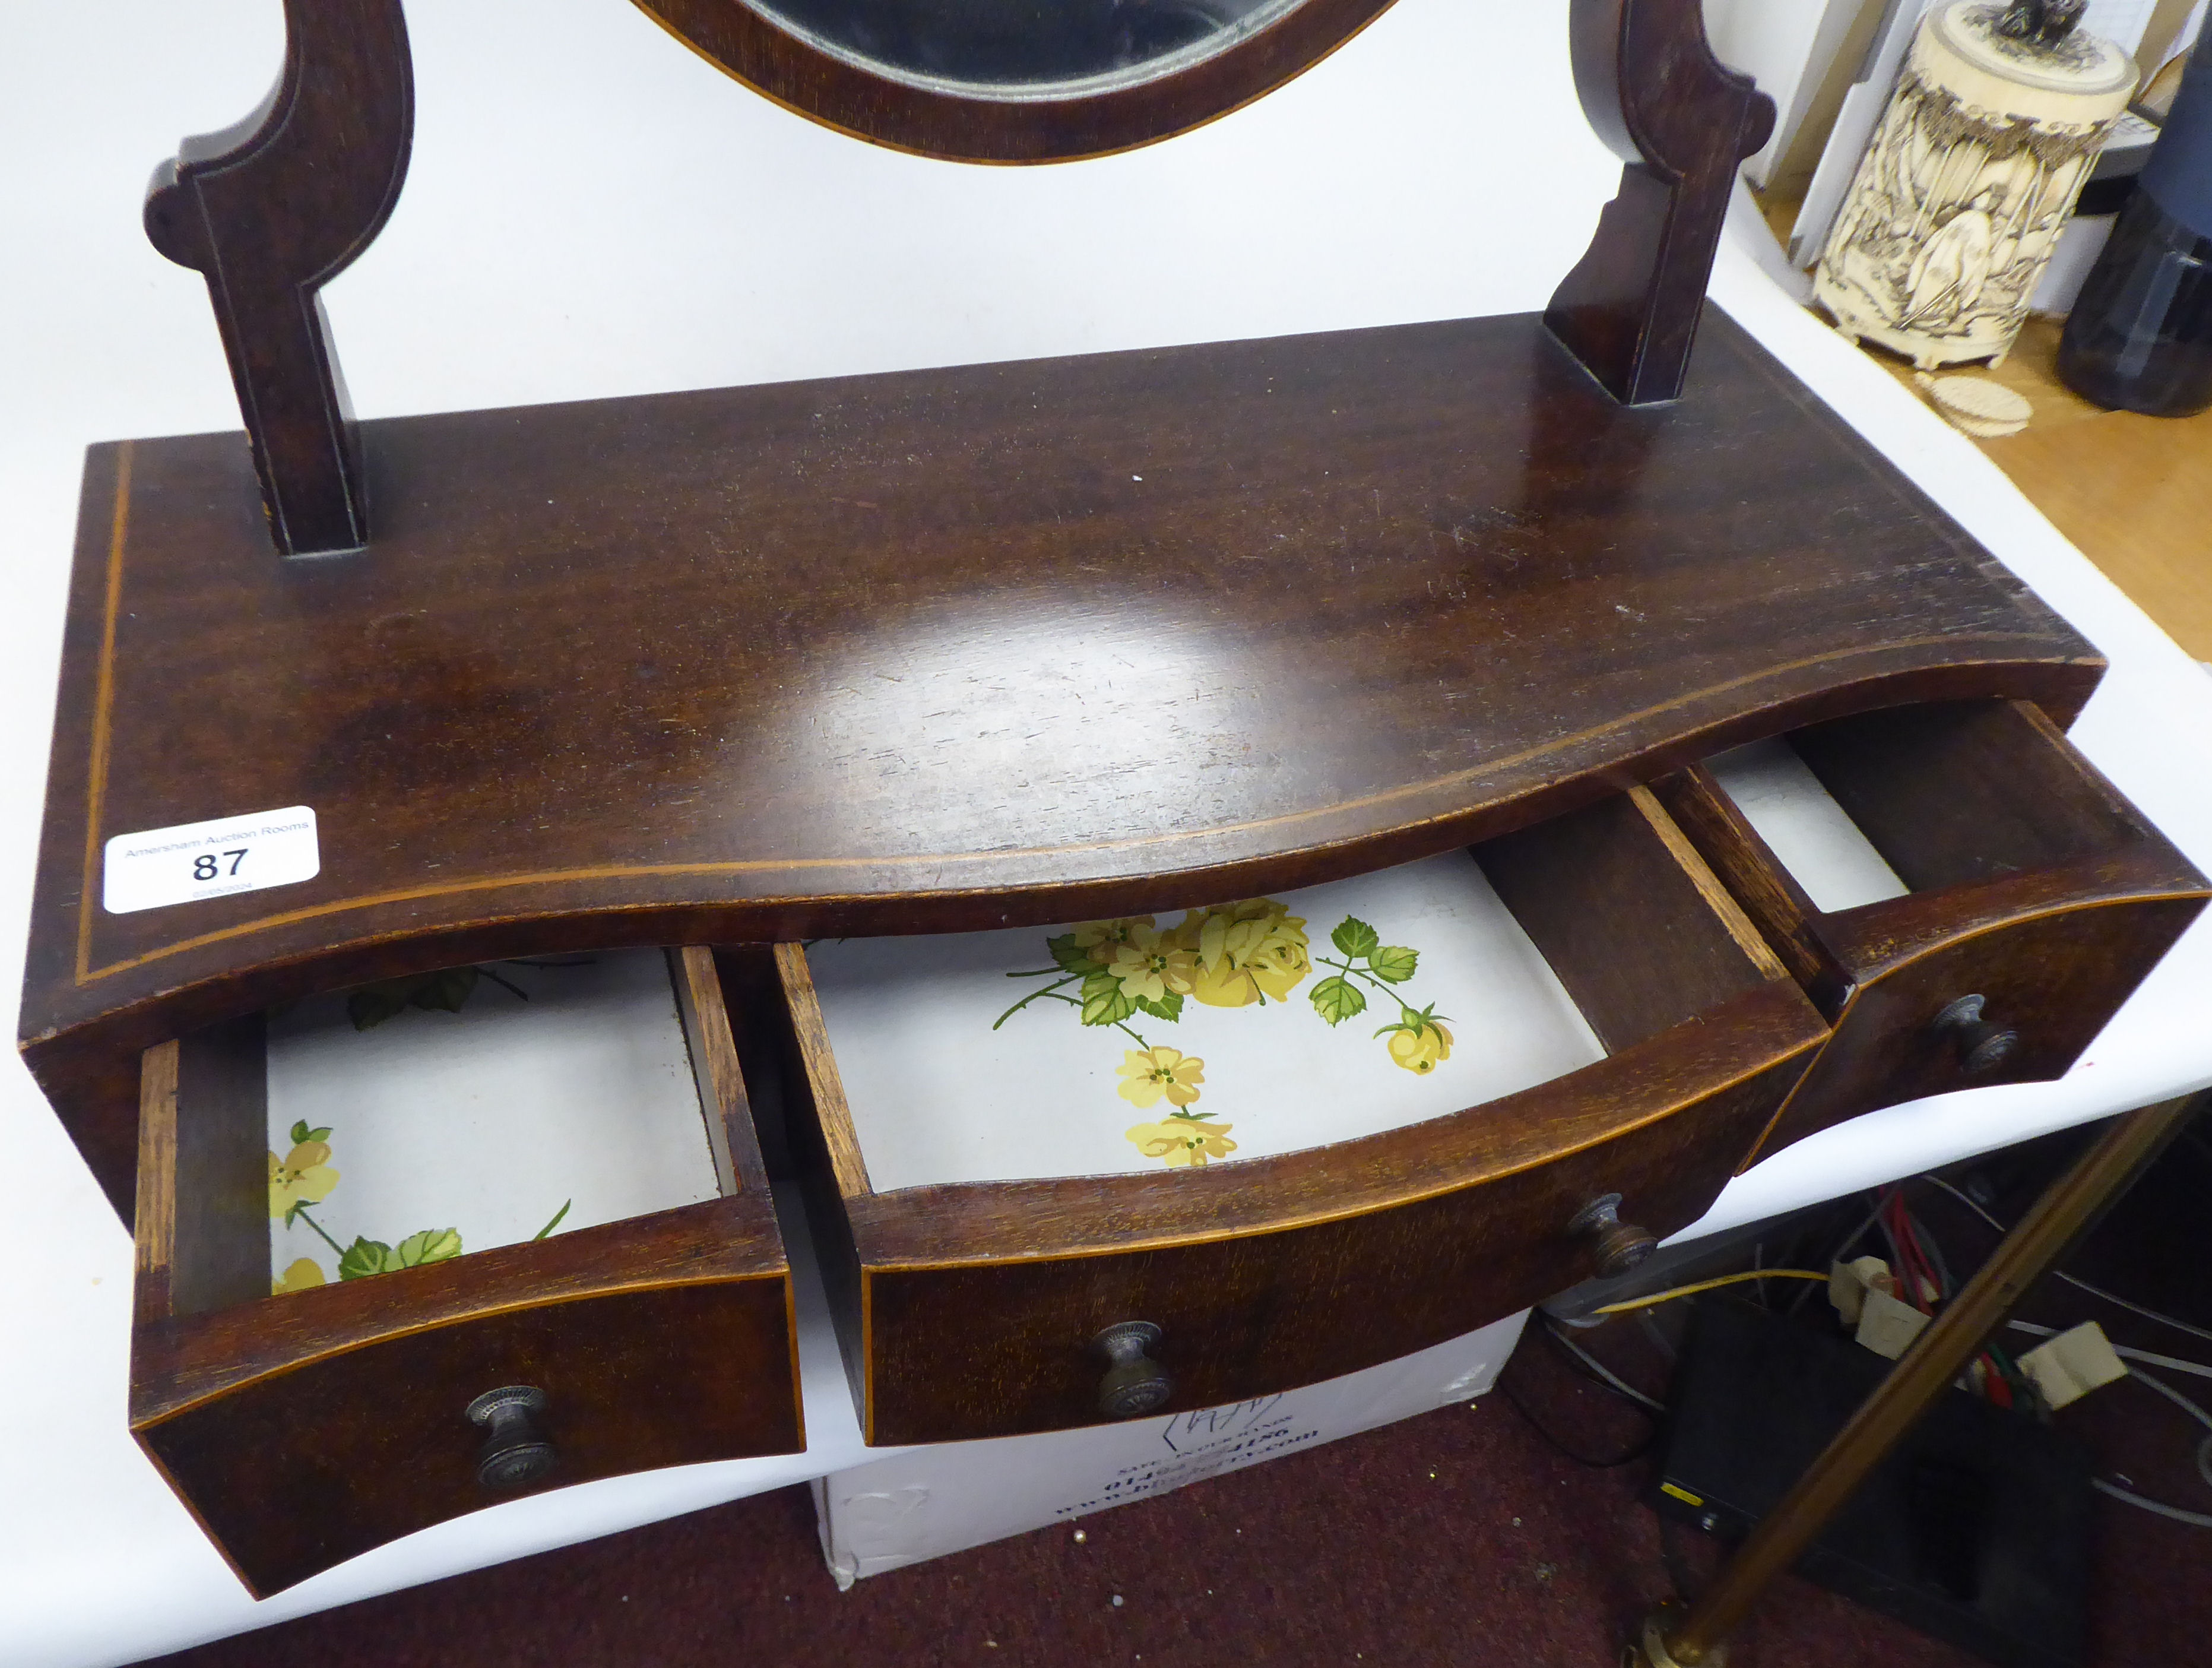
1681,121
270,211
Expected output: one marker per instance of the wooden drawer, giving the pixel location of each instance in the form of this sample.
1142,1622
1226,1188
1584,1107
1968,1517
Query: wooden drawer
2030,899
989,1307
305,1426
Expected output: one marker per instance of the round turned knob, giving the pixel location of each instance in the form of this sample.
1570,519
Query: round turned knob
1133,1383
1618,1246
515,1451
1982,1046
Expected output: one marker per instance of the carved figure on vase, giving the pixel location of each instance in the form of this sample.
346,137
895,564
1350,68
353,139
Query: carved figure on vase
1970,179
1953,268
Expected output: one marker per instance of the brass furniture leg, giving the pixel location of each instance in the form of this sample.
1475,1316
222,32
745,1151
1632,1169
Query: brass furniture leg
1676,1636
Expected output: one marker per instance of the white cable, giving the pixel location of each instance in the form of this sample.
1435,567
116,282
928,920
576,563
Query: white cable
2173,1363
2174,1396
2200,1520
2078,1284
1602,1371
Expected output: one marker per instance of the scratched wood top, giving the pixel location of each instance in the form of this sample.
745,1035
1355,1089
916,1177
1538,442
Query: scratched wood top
960,649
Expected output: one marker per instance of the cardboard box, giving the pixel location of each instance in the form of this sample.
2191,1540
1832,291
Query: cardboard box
928,1501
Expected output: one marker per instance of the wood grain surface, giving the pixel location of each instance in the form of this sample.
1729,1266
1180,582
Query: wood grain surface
1635,926
716,1074
2035,886
203,1130
303,1428
966,1310
2128,491
948,649
292,1473
976,1302
2055,976
965,1349
1970,790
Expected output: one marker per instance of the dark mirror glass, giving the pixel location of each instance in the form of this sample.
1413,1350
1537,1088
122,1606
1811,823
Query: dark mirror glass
1005,44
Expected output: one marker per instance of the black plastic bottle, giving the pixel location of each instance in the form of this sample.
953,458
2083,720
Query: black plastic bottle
2140,338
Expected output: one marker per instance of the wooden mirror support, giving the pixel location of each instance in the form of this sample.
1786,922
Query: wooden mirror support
272,208
270,211
1681,121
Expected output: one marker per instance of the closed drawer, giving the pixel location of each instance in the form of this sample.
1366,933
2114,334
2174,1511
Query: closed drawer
1079,1212
1958,889
389,1186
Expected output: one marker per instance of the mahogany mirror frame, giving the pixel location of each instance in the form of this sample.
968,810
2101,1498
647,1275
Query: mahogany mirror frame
1090,118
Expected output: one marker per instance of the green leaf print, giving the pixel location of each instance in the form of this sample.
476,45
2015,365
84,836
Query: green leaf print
1072,957
431,1246
1336,999
362,1258
1394,963
1104,1002
1354,938
1169,1007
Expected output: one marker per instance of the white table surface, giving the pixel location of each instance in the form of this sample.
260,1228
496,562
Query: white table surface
591,211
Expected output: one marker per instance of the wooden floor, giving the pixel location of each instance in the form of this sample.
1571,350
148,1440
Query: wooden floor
2133,493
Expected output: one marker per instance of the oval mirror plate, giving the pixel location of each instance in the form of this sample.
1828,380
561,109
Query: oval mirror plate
1013,81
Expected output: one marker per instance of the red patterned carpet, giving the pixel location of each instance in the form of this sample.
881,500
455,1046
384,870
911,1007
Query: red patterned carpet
1458,1537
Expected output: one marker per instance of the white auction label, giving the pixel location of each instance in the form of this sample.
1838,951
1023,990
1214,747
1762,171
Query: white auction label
179,865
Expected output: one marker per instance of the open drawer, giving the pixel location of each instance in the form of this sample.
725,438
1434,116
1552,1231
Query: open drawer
387,1276
1064,1176
1960,891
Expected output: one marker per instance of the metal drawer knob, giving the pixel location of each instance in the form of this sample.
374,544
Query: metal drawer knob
1618,1246
1982,1046
515,1451
1133,1383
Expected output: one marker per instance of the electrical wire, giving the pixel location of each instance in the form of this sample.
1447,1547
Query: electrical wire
2171,1363
1933,1252
1622,1308
2200,1520
2001,1382
2105,1486
1634,1453
2073,1281
1598,1370
1589,1367
1915,1265
1842,1246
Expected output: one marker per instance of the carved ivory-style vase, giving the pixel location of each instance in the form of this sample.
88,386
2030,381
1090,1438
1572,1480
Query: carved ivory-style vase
1968,183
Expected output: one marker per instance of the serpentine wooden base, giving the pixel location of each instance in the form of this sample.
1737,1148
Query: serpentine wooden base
947,649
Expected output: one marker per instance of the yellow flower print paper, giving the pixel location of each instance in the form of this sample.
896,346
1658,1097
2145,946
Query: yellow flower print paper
1150,1074
1247,952
1113,1047
1418,1045
465,1125
1229,955
303,1275
303,1176
1183,1139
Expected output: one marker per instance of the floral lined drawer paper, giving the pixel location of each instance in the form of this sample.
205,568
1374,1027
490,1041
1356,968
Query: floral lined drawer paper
1193,1036
418,1120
